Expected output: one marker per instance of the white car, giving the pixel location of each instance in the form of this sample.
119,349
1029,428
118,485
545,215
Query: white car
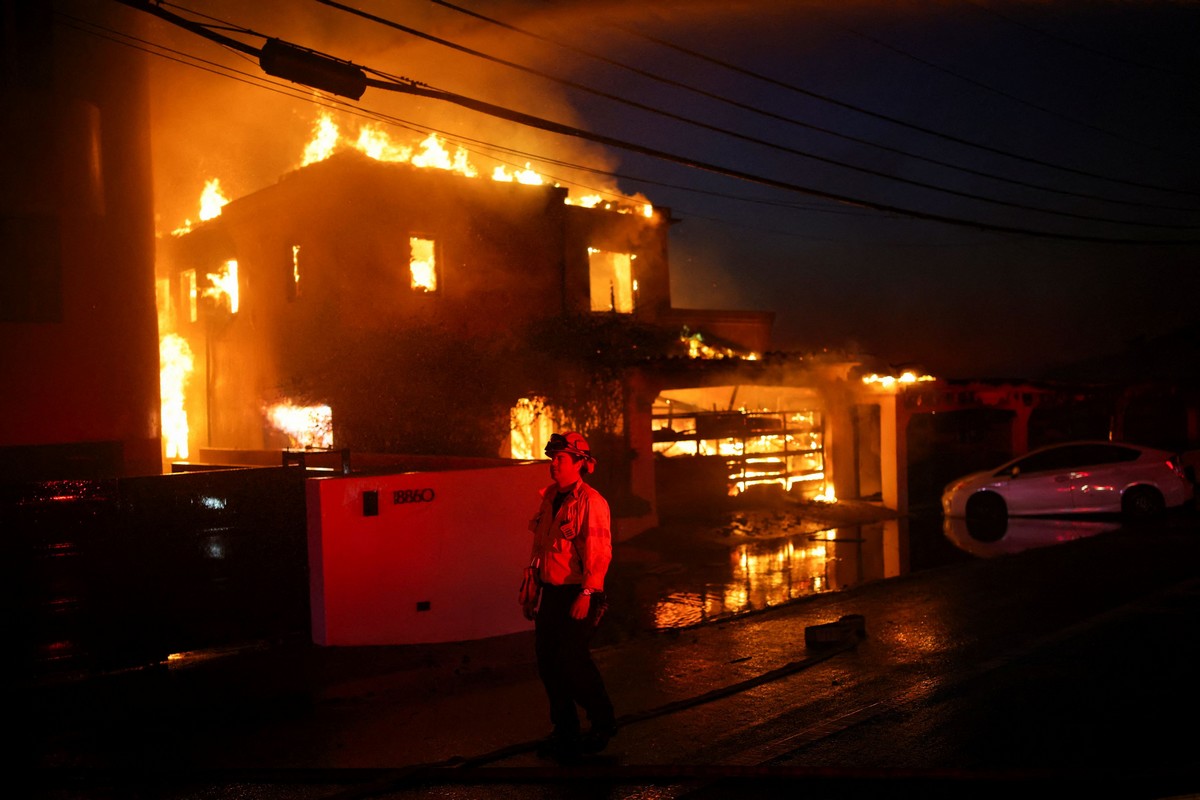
1085,477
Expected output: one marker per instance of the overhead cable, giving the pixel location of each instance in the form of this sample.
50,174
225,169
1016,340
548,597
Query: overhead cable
797,122
415,88
746,137
903,123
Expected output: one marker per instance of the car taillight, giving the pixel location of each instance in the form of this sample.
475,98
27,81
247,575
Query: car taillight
1174,466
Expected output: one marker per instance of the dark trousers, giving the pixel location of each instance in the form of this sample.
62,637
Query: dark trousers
565,665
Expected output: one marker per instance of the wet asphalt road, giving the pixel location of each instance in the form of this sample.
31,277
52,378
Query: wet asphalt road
1063,670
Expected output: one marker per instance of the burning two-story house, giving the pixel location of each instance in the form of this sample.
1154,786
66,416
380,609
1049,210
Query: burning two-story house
386,308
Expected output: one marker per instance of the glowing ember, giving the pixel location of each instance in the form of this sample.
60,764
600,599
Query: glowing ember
893,382
698,349
827,496
308,427
175,364
225,283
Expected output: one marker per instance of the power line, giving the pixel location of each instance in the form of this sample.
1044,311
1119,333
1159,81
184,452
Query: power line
479,145
900,122
744,137
797,122
992,89
1072,43
565,130
411,87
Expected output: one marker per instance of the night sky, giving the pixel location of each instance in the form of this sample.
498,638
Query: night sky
979,189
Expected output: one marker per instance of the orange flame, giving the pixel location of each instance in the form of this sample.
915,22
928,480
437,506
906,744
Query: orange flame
309,427
375,143
698,349
892,382
526,176
212,200
325,138
175,364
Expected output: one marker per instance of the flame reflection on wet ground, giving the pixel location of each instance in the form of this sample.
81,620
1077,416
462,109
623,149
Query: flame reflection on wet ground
694,572
690,573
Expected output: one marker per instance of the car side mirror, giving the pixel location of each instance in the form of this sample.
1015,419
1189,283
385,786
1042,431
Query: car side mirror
1016,471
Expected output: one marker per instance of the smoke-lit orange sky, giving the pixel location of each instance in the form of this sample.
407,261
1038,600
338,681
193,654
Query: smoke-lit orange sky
984,189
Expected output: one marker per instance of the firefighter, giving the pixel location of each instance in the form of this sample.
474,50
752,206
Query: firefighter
572,548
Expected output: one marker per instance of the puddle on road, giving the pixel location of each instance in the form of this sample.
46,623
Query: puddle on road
688,575
692,573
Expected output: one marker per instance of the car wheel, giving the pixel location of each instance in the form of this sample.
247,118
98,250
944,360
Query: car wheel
986,505
1142,502
987,517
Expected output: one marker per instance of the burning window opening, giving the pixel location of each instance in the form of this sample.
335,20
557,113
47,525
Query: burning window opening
697,348
307,427
175,364
531,423
422,267
225,285
612,283
294,286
